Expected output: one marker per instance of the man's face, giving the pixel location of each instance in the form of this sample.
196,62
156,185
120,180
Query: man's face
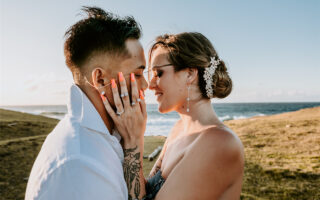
112,65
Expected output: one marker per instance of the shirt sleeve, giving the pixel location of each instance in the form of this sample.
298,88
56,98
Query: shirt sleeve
82,179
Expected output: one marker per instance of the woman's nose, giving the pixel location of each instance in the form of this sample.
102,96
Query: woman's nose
152,84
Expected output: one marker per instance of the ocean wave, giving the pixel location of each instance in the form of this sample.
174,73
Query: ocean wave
235,117
161,121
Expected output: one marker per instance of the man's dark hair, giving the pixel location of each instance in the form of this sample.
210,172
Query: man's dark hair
100,32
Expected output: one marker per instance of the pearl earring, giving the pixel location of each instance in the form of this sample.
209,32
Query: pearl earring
188,98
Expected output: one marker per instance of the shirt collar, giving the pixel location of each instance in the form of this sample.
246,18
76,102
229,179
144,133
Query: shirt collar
81,109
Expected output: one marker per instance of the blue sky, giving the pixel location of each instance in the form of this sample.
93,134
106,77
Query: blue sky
271,48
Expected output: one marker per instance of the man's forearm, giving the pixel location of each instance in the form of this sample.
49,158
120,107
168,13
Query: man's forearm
133,173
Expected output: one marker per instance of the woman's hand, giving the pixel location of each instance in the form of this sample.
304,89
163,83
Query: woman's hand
130,118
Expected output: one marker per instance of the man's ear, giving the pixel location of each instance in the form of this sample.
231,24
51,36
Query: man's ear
192,75
98,77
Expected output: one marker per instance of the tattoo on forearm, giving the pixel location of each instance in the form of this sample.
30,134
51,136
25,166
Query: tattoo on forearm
131,168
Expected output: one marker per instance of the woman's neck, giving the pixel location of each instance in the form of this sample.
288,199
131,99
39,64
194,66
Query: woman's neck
201,114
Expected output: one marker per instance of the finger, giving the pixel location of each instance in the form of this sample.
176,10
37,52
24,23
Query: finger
143,105
134,89
108,107
124,91
116,97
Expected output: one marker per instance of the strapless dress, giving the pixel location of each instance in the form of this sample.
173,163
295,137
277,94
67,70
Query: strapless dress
153,186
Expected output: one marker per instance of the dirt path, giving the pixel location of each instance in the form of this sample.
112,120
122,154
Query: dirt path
4,142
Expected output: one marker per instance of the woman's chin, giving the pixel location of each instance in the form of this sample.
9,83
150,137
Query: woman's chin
161,108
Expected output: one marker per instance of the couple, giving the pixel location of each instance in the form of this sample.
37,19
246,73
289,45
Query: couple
96,151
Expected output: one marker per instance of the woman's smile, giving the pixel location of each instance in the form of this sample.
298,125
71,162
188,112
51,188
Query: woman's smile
158,95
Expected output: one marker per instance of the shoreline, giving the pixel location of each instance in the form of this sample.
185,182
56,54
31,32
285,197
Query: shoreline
225,111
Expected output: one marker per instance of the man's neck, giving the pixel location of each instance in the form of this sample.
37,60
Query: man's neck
95,99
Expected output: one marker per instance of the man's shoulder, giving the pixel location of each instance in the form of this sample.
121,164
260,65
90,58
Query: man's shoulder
60,143
69,141
61,137
76,174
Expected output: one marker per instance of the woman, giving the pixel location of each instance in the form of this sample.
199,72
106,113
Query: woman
201,158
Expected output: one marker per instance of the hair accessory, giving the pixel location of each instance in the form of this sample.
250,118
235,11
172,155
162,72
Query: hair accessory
208,75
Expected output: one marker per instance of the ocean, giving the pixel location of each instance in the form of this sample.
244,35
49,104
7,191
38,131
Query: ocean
161,124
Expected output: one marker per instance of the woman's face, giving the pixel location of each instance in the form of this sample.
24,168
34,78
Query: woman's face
170,87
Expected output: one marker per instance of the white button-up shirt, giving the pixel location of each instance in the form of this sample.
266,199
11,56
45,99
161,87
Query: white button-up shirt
79,159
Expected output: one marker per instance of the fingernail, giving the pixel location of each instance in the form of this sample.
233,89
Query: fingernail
103,97
141,95
132,77
113,83
121,77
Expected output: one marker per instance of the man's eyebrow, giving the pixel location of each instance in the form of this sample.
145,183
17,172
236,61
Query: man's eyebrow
141,67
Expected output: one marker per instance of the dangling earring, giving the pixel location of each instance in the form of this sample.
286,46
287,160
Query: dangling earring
188,98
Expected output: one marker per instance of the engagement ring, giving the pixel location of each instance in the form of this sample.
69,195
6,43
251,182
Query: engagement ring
124,94
119,113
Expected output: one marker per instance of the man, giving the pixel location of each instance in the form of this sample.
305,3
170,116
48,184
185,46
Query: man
82,157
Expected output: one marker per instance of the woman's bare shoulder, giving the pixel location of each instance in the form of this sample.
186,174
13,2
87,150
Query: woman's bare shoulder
214,160
220,143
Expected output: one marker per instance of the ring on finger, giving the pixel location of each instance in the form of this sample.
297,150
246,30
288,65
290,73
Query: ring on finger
119,113
138,100
124,94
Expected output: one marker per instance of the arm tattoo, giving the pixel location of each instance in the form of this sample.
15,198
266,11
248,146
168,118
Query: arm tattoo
131,169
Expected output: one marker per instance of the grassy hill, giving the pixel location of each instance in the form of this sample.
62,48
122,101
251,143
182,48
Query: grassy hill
282,153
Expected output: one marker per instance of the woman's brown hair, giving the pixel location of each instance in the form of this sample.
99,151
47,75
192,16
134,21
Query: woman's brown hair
194,50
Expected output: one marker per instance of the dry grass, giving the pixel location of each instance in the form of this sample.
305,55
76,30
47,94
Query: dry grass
289,141
282,153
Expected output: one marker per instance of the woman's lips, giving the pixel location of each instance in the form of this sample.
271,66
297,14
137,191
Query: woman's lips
158,95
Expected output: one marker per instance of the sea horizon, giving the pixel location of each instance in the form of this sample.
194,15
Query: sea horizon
161,124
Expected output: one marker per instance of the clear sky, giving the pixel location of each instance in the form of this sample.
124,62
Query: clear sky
271,47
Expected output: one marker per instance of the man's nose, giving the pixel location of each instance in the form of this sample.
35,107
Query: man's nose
144,84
